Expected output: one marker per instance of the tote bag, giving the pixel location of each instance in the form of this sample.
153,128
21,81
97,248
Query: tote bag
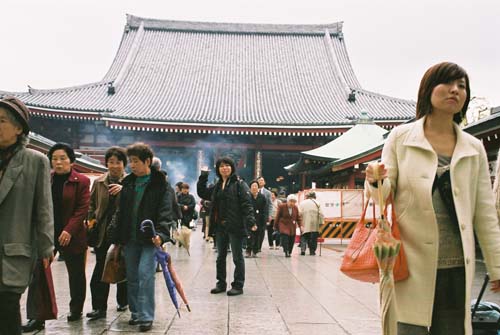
359,260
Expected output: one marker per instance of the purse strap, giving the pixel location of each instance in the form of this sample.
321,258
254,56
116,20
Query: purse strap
355,254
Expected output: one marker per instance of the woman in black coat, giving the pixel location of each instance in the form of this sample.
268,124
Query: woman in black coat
231,213
259,206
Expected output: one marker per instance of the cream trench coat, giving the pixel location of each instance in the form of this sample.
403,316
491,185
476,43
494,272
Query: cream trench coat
411,163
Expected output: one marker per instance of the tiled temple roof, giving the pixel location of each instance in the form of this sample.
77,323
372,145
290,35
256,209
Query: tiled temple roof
219,74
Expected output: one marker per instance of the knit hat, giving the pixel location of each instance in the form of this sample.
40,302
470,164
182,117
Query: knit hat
21,112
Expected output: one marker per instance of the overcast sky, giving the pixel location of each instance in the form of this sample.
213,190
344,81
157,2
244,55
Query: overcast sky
56,43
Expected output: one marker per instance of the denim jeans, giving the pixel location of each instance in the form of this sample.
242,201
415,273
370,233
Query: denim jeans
224,239
140,264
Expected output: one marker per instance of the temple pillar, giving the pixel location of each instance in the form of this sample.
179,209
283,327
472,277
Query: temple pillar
258,164
199,161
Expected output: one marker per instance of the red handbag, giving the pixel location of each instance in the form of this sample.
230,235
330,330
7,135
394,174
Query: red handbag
359,260
42,303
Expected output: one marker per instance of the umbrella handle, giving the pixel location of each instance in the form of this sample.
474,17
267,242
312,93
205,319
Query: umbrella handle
381,201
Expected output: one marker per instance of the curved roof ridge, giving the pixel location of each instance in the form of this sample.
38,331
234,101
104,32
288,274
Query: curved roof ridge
32,90
374,94
219,27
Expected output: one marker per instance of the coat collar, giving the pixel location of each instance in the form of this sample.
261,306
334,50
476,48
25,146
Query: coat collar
104,178
11,174
157,178
416,138
74,176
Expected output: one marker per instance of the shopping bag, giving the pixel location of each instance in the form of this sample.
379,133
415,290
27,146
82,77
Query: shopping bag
42,303
359,261
114,269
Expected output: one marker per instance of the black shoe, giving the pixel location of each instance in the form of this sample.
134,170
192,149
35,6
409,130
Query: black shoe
145,326
96,314
312,254
33,325
133,322
74,316
235,291
287,254
217,289
121,308
302,253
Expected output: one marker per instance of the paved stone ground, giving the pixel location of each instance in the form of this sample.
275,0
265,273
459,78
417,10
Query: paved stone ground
298,295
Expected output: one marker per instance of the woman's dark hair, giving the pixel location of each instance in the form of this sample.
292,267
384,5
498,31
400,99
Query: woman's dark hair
184,185
62,146
225,160
275,193
142,151
253,182
441,73
118,152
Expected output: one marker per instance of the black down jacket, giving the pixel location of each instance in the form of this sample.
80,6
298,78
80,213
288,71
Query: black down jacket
238,208
156,205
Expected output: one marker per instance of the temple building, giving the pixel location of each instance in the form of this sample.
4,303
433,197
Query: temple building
261,93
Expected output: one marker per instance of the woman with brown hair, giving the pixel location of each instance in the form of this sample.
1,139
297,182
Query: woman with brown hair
104,199
440,182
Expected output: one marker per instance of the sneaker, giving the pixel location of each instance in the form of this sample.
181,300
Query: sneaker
145,326
96,314
235,291
133,322
217,290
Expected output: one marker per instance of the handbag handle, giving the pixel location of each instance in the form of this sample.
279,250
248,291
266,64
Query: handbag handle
357,252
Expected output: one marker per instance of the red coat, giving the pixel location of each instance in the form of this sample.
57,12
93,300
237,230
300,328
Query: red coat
75,206
286,223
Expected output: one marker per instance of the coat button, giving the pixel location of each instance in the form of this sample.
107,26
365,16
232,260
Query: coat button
467,261
457,191
462,226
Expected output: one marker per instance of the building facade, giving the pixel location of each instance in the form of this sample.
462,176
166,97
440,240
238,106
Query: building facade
260,93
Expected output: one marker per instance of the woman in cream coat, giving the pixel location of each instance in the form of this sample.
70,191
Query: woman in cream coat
437,294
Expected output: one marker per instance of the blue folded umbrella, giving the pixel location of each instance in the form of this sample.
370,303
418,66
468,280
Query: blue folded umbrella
147,227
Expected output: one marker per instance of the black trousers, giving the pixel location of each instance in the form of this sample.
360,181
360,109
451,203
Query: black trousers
224,239
100,290
253,241
10,313
270,236
262,234
310,240
287,242
75,266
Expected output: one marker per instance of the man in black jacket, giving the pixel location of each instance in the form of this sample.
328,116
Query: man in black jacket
145,196
231,216
187,205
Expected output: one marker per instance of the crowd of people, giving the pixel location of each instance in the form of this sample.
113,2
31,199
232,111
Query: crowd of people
437,174
59,212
